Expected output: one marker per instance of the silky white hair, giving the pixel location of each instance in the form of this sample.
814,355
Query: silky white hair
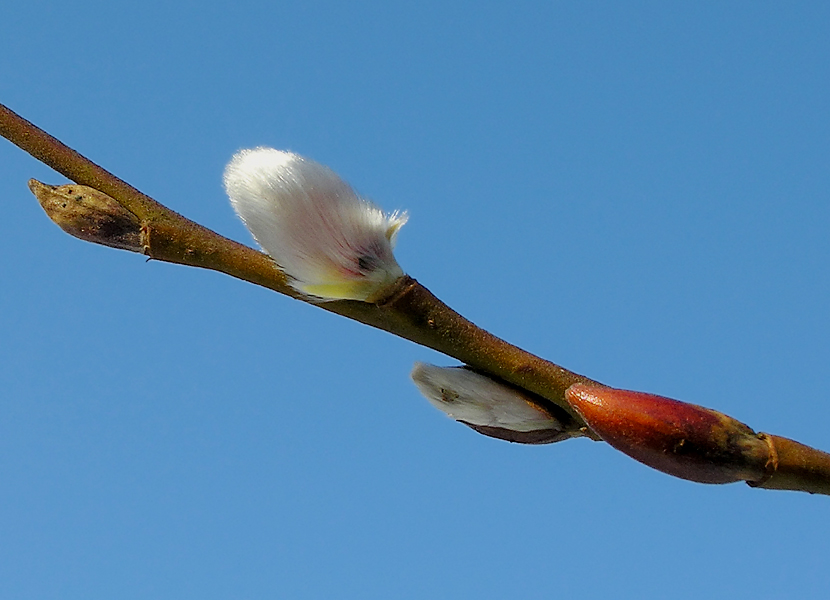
332,243
476,399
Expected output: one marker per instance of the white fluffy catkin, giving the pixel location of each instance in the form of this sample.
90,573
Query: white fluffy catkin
332,243
469,397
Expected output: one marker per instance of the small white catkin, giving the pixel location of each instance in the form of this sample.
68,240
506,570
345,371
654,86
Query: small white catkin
475,399
332,243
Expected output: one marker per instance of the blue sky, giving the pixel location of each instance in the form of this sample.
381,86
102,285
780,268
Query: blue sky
637,191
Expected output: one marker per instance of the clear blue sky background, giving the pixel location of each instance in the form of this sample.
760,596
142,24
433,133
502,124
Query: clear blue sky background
638,191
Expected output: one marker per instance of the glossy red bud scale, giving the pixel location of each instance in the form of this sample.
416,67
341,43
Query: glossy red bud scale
681,439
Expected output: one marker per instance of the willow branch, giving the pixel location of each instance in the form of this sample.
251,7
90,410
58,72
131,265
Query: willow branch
134,221
410,311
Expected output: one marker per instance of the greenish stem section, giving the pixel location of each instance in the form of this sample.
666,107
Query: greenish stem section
794,466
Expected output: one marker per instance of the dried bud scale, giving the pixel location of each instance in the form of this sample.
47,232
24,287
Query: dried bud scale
90,215
490,407
332,243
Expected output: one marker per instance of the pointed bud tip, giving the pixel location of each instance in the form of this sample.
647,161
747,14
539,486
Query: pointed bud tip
681,439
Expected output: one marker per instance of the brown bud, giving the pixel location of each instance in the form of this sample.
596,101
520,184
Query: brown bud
90,215
684,440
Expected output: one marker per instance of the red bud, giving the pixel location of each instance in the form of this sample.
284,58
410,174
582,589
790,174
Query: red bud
684,440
